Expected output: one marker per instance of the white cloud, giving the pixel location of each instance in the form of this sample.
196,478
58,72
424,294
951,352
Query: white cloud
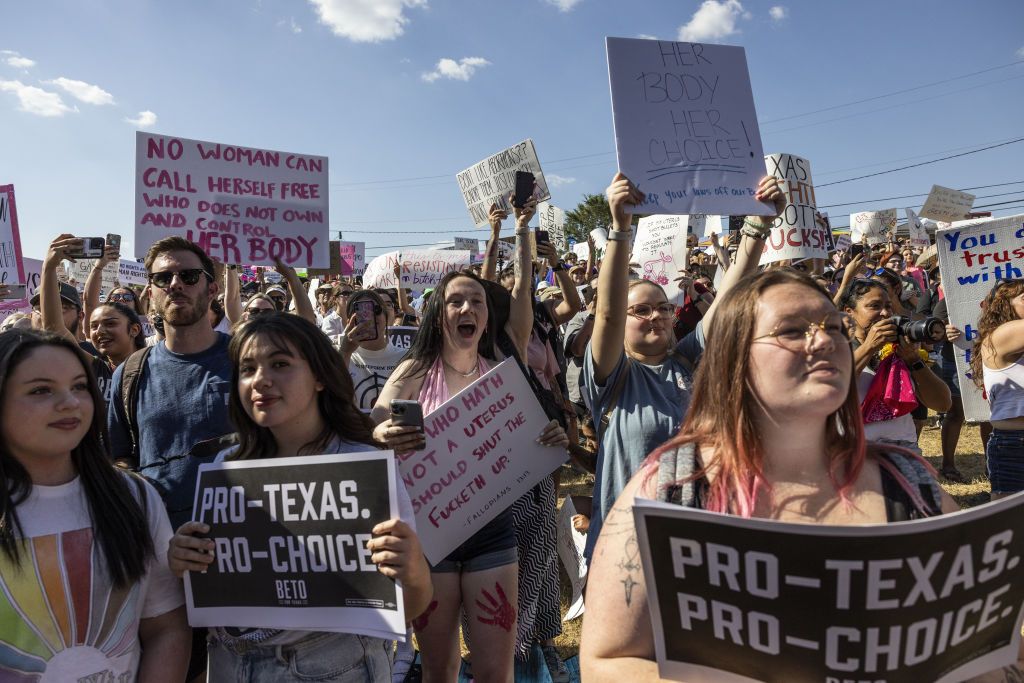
366,21
20,62
778,13
461,70
558,180
85,92
564,5
714,19
145,119
1020,53
290,25
36,100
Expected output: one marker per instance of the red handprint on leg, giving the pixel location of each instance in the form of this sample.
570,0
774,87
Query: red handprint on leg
420,622
502,613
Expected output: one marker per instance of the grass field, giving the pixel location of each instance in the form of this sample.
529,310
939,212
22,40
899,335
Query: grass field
970,460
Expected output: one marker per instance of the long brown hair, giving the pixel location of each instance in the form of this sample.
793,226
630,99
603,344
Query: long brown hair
336,402
723,406
996,310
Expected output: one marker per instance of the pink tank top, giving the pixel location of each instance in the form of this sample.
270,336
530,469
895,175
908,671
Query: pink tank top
434,391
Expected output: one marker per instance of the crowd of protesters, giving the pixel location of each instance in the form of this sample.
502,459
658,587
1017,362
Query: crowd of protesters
756,387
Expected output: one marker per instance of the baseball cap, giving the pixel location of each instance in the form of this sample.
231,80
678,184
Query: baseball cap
277,288
67,293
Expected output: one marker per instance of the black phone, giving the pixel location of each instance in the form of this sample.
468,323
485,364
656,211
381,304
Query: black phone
542,237
856,249
92,247
406,413
524,188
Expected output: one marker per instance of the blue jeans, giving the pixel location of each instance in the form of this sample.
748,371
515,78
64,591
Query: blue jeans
318,657
1005,457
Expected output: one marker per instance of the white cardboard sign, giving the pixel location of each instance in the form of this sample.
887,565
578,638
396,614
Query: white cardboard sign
552,219
570,550
481,455
713,226
945,204
467,244
241,205
685,126
12,270
660,251
794,235
422,268
918,233
492,180
972,257
877,225
380,271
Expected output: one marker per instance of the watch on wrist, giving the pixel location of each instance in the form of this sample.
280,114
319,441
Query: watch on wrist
620,235
917,365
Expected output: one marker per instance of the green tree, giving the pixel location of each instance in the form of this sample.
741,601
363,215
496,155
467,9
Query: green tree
590,214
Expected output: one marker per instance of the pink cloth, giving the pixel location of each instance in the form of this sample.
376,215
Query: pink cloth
541,360
434,391
891,393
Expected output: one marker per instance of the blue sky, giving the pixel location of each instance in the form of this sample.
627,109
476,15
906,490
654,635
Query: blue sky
362,82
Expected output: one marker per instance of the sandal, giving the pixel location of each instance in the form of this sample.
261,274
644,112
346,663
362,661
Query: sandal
953,474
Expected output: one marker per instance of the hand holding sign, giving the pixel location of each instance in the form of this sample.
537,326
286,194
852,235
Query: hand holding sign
188,551
622,194
397,553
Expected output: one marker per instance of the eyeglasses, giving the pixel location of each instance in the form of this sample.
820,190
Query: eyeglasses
189,276
259,311
647,311
122,297
797,334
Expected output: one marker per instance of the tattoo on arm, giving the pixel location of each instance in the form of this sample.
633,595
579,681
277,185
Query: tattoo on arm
1013,674
619,522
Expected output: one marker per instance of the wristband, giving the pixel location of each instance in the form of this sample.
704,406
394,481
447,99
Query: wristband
558,267
759,225
752,232
620,235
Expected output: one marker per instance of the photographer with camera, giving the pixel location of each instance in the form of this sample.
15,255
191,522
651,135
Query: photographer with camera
892,376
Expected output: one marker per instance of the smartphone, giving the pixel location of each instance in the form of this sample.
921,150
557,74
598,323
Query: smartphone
14,292
92,247
542,237
114,241
409,320
365,312
856,249
524,188
407,414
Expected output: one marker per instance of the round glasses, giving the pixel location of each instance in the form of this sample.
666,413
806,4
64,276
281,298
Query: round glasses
797,334
647,311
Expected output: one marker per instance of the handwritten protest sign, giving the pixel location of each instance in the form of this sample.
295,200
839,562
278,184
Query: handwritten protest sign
552,219
685,126
291,553
938,599
570,550
353,258
380,271
481,455
422,268
124,272
842,242
879,226
944,204
492,180
582,250
32,269
402,336
973,256
794,234
469,244
12,271
916,229
660,251
241,205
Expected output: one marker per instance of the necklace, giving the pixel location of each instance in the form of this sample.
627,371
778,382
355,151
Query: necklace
458,372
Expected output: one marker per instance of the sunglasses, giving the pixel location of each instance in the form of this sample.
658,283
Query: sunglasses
259,311
189,276
122,297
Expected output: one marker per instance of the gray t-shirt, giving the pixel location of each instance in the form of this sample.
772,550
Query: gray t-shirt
649,411
574,364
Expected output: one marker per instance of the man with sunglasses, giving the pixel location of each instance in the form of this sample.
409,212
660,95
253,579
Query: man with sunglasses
366,348
178,397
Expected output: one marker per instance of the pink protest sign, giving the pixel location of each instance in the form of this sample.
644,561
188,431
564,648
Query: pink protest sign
12,271
241,205
481,455
353,258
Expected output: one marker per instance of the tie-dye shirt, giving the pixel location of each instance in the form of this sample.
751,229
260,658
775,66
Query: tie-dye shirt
61,619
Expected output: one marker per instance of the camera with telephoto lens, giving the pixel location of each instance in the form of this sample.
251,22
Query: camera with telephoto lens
928,330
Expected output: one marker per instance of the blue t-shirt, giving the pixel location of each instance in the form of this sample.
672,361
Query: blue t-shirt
648,413
183,399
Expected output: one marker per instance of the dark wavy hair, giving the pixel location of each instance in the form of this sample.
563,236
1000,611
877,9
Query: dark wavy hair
857,290
118,518
428,342
336,402
133,319
996,310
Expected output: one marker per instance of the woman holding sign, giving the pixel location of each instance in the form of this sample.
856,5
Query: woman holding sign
455,346
77,536
997,365
290,396
637,378
774,432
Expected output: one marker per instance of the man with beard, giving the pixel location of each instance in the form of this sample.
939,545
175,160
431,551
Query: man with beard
180,392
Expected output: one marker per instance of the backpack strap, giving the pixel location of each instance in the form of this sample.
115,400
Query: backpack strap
130,378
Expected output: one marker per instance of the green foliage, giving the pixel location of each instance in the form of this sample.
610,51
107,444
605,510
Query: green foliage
591,213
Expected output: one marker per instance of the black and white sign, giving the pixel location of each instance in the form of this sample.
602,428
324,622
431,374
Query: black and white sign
402,336
291,551
492,180
747,600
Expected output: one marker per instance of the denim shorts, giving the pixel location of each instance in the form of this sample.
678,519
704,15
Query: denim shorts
1005,456
493,546
318,657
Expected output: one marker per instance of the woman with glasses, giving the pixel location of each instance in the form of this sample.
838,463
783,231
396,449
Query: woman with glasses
334,322
773,432
997,365
257,305
892,376
635,374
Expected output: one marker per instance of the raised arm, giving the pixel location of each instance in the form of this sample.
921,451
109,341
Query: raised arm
94,282
302,305
51,310
607,344
232,295
570,304
520,320
752,236
849,273
489,270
